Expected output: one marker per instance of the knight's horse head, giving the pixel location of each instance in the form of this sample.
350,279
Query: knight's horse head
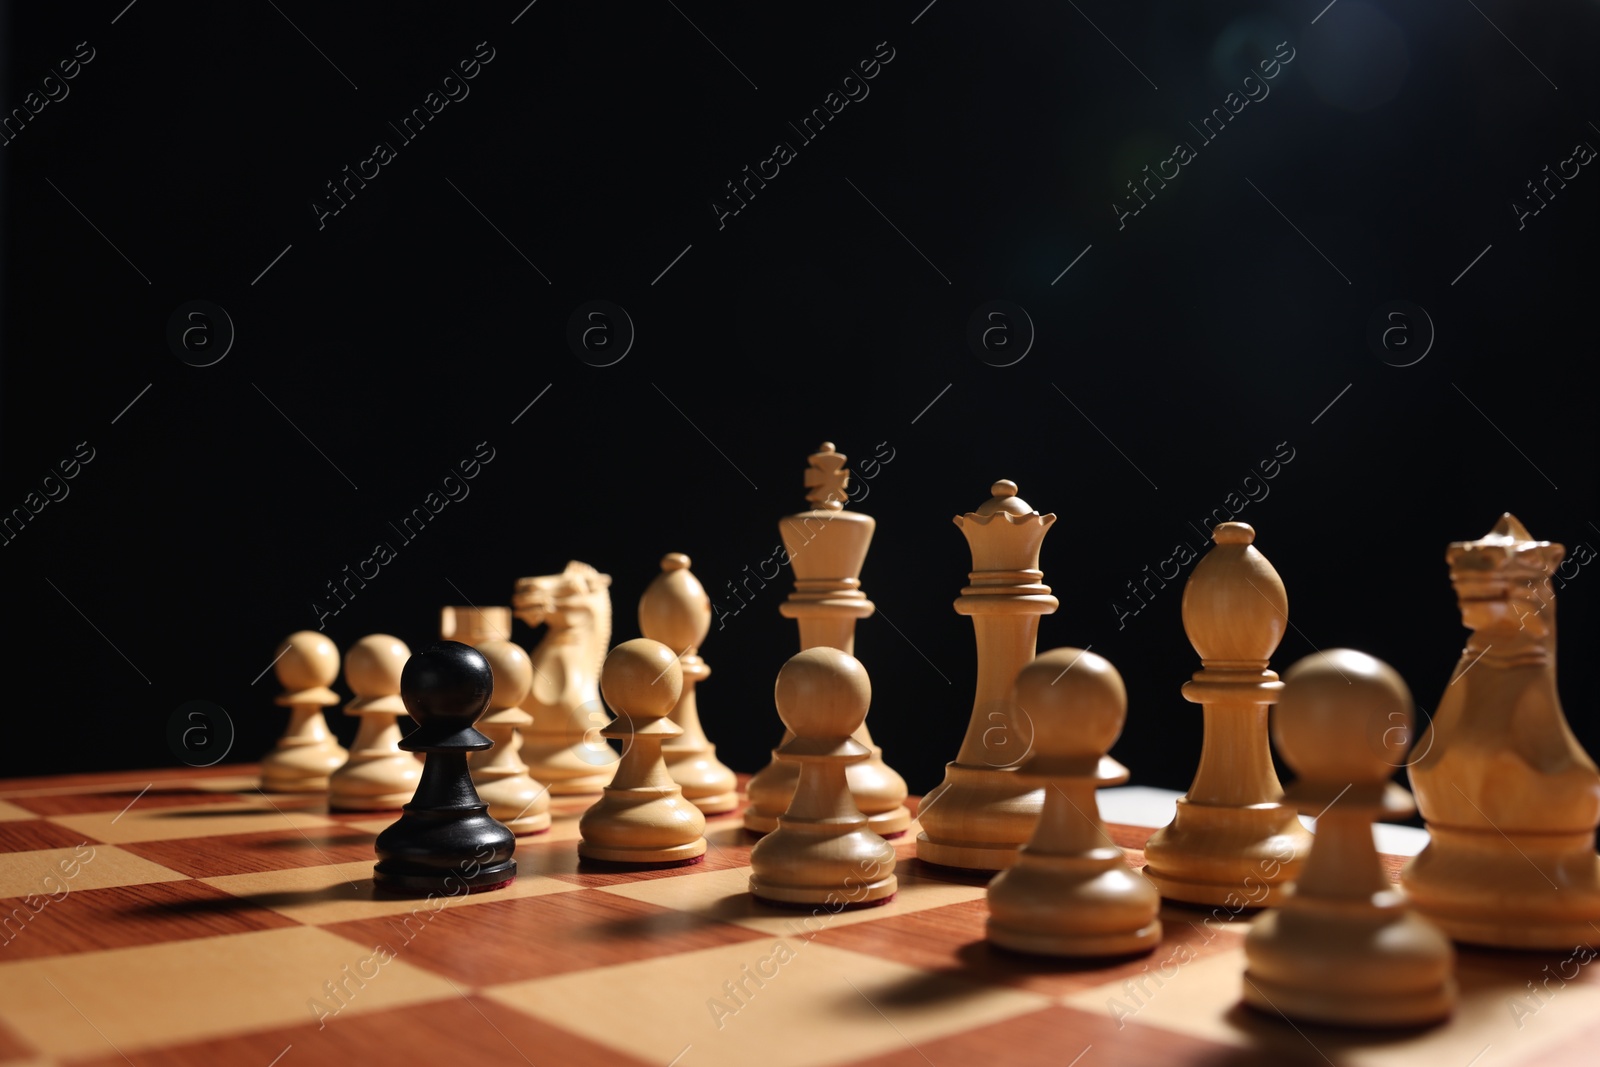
578,596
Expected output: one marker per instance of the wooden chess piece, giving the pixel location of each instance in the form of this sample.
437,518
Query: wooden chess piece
379,775
1071,891
562,746
676,611
823,850
502,779
445,841
642,817
472,625
307,753
982,812
1510,798
1233,841
1344,948
826,546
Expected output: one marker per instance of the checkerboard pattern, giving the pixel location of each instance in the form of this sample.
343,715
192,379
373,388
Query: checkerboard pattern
184,917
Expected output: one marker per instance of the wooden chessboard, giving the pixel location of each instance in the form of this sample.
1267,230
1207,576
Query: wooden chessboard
180,917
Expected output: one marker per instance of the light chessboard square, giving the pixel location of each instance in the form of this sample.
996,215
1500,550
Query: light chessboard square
154,995
871,1005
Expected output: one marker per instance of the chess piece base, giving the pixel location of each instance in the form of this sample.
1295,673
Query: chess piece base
1078,904
673,854
645,824
705,782
1513,890
301,768
964,857
1232,856
580,787
826,855
1038,943
978,818
876,788
717,804
859,896
890,823
440,847
403,879
569,769
516,801
769,791
879,793
385,783
289,784
1350,962
528,825
1349,1009
884,823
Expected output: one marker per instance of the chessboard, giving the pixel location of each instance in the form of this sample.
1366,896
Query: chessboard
185,917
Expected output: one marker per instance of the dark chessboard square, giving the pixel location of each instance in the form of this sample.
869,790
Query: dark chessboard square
1055,1036
31,835
950,940
454,1031
726,846
11,1046
506,941
137,797
273,850
87,920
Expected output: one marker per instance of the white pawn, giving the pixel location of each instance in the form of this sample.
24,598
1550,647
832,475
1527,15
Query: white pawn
379,775
1345,948
514,798
676,611
307,753
1071,891
823,851
641,817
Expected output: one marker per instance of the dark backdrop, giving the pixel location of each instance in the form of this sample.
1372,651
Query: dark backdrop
1228,322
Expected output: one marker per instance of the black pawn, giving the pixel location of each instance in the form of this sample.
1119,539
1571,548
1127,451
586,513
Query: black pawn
445,842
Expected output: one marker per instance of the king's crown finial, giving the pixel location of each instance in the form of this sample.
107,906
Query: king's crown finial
826,478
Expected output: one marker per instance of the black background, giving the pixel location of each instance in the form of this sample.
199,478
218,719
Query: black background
1180,350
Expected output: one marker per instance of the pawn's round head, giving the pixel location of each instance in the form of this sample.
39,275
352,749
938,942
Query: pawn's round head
445,687
641,679
306,660
823,692
373,666
1077,705
512,670
1344,717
